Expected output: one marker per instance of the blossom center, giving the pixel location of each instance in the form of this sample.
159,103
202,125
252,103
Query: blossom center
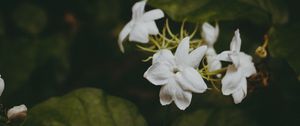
175,70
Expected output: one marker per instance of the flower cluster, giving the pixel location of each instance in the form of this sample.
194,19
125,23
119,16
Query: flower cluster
183,65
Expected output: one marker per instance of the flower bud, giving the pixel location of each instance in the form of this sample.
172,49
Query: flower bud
17,113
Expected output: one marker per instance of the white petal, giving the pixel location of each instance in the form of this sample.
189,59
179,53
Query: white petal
247,66
159,73
182,50
244,86
235,44
152,28
183,99
209,33
189,79
163,55
224,56
2,85
139,33
153,15
196,56
235,59
250,70
123,34
138,9
166,93
213,63
240,94
231,80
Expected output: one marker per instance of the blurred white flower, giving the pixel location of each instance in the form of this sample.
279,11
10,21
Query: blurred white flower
177,74
17,112
234,81
210,35
1,85
141,24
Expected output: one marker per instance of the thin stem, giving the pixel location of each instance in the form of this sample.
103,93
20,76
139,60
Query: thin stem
146,49
169,30
146,60
195,30
155,42
182,29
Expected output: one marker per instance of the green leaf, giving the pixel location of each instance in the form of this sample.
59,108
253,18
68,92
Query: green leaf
211,117
284,43
85,107
258,11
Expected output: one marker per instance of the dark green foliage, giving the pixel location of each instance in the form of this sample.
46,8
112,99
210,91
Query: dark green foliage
85,107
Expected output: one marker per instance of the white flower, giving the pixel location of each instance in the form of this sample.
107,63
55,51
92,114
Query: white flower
210,35
234,81
17,112
213,63
141,24
177,74
1,85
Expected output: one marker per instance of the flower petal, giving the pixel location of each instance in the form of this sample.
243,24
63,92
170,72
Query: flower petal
235,44
182,50
210,33
213,63
231,80
123,34
163,55
183,99
235,58
189,79
159,73
166,93
172,91
196,56
153,15
2,85
139,33
152,28
247,66
249,70
138,9
240,94
224,56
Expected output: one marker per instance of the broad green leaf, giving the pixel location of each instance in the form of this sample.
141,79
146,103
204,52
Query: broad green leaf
85,107
258,11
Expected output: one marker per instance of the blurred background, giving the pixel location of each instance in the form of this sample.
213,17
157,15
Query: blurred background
51,47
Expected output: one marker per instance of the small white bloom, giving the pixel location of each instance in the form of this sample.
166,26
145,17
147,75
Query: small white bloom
17,112
210,35
234,82
141,24
213,63
177,74
1,85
